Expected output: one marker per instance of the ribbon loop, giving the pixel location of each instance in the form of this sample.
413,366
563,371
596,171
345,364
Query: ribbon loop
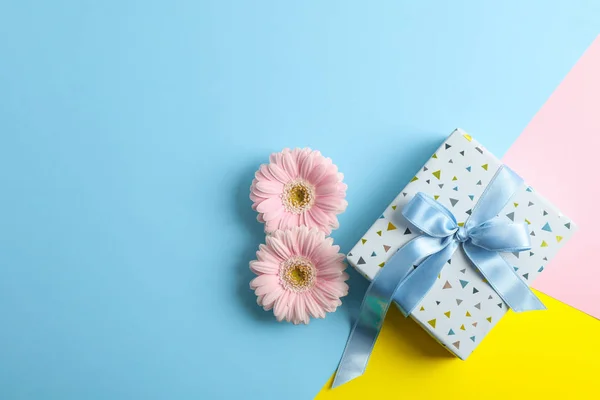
412,271
495,235
430,216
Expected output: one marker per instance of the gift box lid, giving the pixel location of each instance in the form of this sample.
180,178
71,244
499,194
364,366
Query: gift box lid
462,307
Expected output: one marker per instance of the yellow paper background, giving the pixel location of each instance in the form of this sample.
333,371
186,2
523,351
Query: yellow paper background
542,354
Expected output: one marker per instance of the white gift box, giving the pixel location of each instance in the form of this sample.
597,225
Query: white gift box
461,308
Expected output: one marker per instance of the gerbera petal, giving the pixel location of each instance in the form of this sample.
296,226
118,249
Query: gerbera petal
329,203
281,305
329,255
301,314
313,306
264,267
333,222
264,171
278,234
259,176
316,174
330,274
254,205
290,165
344,278
269,205
261,199
265,254
276,158
330,169
310,222
262,290
324,301
300,155
325,253
290,239
271,297
257,198
302,221
279,173
262,280
302,238
279,247
283,220
319,216
340,283
328,247
258,195
328,179
270,187
291,304
310,241
292,221
268,251
271,215
336,263
267,288
326,190
272,225
331,289
306,166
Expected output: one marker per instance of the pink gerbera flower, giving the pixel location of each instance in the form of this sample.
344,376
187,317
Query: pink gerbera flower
300,274
298,187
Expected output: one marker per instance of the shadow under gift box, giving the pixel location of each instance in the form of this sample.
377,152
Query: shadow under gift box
461,307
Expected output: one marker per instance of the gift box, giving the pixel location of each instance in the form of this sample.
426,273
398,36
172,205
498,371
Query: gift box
461,307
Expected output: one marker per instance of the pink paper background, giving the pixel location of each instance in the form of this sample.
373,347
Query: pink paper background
559,155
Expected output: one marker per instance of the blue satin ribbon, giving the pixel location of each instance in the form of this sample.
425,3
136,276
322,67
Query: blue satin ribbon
412,271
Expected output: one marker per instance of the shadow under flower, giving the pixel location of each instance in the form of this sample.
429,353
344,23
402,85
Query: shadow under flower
255,235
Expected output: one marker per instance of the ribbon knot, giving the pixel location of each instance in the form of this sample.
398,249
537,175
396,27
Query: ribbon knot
461,234
482,238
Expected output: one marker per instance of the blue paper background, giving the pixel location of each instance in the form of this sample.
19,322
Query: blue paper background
129,135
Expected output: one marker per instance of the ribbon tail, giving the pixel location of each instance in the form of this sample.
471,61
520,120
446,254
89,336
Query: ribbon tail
376,304
503,279
415,287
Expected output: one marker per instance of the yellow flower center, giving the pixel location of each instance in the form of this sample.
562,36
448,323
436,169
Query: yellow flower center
298,196
297,274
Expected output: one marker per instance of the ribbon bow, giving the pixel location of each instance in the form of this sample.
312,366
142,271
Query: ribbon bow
482,238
